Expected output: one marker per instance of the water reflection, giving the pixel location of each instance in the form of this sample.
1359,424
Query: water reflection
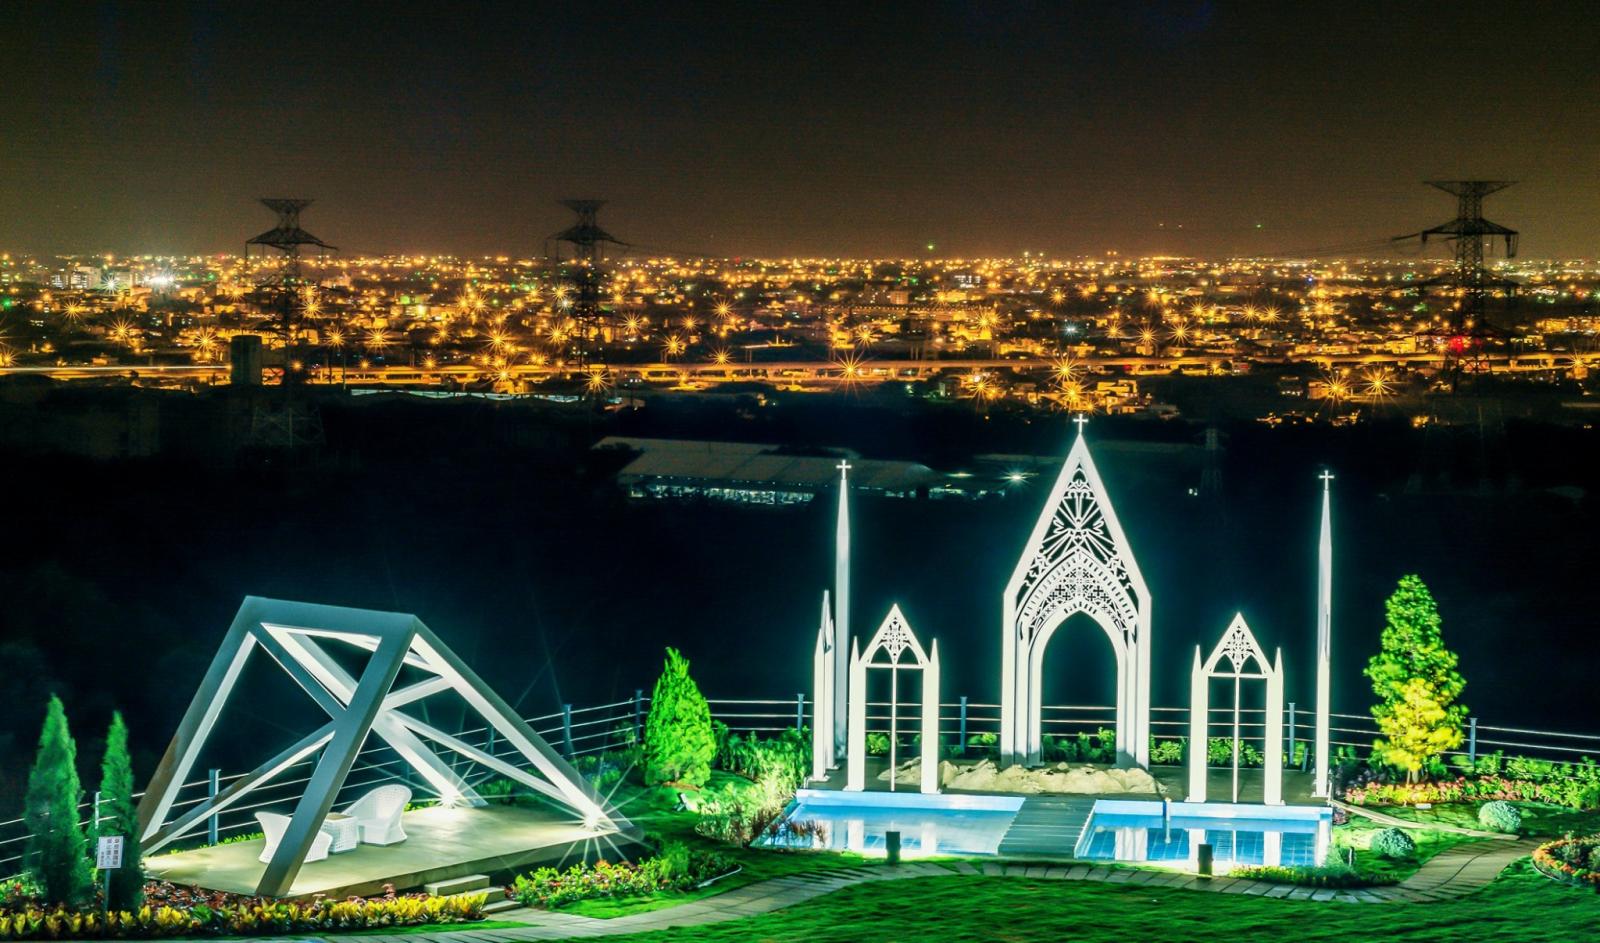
1290,836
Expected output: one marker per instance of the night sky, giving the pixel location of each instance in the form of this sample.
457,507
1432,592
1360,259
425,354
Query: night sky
856,129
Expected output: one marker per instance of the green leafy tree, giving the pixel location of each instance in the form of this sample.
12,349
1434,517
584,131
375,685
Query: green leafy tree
119,816
57,852
679,743
1417,684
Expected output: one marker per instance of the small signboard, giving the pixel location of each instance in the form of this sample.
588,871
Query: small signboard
108,852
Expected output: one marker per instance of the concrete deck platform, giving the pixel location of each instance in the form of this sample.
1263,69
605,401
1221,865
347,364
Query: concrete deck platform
1173,779
440,844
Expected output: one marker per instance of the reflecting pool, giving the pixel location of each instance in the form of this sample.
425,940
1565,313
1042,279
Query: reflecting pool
928,825
1157,832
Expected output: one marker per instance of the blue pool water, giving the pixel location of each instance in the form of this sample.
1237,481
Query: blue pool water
1120,830
928,825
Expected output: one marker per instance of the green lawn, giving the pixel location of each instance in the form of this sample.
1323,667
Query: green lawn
1521,906
432,928
1539,819
1359,832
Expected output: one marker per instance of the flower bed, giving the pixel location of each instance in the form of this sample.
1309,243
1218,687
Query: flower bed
1467,789
176,912
676,868
1335,874
1572,860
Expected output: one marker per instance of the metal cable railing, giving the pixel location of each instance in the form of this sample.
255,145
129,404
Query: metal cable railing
584,731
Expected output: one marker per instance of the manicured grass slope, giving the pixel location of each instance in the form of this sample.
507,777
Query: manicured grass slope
1539,819
1521,906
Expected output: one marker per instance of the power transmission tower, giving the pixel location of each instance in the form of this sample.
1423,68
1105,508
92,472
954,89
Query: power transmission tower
586,237
288,424
1467,325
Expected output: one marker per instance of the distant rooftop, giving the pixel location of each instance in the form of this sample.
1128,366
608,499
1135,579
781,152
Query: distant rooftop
751,464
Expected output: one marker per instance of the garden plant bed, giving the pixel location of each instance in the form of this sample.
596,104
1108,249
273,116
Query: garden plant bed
655,809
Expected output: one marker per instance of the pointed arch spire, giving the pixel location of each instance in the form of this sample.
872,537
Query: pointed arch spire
841,614
1319,779
1077,560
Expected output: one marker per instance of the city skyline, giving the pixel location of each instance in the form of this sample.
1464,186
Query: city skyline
1181,129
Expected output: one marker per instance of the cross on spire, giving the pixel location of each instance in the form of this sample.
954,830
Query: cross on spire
1082,419
1326,477
844,467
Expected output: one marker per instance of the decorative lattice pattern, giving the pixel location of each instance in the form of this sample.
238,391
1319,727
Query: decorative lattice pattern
1078,568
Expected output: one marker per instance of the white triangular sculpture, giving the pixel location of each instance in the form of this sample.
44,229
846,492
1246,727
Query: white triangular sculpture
1238,645
1320,785
1077,560
822,671
893,639
293,633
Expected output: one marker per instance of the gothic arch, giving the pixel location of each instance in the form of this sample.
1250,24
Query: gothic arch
1076,561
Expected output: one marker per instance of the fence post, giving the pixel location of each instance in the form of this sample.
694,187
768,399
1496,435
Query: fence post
213,786
800,711
1472,739
566,729
1291,734
961,744
638,715
488,740
96,817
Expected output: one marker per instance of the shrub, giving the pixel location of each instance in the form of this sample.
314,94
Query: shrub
675,868
1392,843
740,814
877,744
1105,742
1167,752
679,743
57,850
720,735
1577,787
499,790
1332,873
119,816
1498,815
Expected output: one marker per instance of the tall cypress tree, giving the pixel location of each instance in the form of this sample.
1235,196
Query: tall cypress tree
119,816
57,852
678,740
1416,681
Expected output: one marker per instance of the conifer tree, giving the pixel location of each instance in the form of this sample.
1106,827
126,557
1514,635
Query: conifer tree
119,816
57,852
678,740
1416,682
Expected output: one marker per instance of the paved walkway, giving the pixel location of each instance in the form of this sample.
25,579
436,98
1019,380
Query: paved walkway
1450,874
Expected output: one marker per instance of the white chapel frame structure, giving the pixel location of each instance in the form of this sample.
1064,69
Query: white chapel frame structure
1077,560
293,634
892,640
1238,644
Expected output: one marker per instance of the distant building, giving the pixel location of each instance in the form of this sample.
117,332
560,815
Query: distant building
753,473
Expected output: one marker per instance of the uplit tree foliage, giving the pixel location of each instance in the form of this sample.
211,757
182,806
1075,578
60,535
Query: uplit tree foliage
57,852
119,816
1415,679
678,740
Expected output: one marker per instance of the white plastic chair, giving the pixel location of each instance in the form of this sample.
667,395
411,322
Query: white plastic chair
378,814
274,825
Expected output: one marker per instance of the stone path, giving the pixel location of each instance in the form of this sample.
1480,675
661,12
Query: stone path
1450,874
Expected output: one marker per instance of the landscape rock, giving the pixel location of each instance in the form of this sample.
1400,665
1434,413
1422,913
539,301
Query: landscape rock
1060,779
